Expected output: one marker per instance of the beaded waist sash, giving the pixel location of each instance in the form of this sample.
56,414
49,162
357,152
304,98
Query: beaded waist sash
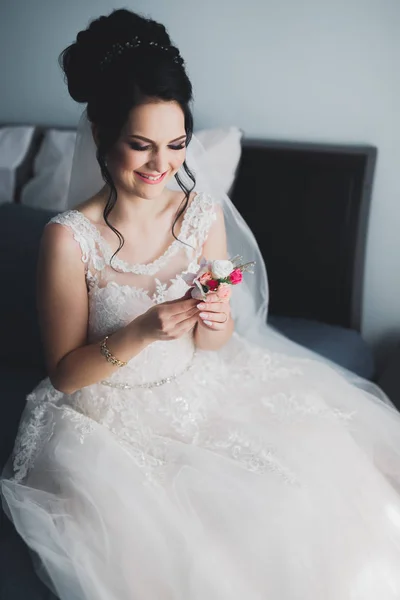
120,385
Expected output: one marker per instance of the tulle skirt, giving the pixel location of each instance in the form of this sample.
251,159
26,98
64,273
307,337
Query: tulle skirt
251,475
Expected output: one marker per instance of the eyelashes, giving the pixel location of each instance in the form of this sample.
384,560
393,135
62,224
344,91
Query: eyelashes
135,146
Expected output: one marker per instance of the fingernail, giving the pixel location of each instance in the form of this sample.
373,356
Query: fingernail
201,305
203,315
209,323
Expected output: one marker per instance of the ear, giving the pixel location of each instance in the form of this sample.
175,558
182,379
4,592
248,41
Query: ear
95,134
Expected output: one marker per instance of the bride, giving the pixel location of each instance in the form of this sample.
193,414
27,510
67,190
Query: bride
178,451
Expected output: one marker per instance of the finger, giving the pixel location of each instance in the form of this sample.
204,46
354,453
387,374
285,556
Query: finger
185,326
220,317
180,317
181,301
211,297
176,307
212,306
214,325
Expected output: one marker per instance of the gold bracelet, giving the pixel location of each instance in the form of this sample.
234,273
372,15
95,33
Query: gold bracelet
105,352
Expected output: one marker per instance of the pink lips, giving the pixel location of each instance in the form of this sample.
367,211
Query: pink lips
149,181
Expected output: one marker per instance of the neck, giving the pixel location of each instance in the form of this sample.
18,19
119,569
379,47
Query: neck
131,208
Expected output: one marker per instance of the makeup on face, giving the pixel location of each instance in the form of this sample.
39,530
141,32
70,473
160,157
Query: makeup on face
152,146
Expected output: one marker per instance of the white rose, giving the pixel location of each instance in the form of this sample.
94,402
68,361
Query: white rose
221,268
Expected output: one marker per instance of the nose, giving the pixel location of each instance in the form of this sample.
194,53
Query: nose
159,161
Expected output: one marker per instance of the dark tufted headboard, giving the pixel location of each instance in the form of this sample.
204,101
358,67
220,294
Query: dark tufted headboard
308,206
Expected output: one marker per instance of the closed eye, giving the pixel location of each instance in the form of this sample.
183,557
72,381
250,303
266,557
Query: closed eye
141,148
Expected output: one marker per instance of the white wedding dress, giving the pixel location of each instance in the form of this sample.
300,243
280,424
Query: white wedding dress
240,474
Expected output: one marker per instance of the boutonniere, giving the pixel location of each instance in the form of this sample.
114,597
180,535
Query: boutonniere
217,276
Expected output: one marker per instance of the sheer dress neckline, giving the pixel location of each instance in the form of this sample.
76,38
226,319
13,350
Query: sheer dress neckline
141,268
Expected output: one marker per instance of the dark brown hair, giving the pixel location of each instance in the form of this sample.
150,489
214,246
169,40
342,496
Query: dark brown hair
153,70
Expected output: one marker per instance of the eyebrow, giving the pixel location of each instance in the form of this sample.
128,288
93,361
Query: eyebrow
152,142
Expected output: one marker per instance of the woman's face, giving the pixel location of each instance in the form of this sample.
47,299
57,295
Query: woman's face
151,144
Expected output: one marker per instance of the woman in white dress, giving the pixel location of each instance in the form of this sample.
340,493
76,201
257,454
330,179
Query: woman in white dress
168,456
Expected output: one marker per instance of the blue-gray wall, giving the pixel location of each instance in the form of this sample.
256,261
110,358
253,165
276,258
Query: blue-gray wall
284,69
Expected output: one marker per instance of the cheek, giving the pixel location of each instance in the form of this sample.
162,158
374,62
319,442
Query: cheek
178,160
123,159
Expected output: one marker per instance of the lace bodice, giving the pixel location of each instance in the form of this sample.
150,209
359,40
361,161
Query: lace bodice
121,292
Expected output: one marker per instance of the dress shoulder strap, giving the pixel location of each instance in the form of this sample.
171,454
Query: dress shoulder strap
201,214
83,233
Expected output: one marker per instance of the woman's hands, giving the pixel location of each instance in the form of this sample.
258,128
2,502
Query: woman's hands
214,313
171,320
168,320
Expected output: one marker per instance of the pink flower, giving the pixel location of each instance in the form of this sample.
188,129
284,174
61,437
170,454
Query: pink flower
212,284
224,292
236,276
205,278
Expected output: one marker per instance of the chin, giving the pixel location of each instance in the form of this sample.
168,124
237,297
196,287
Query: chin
147,191
149,194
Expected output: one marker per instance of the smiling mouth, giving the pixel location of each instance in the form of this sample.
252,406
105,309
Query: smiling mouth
151,178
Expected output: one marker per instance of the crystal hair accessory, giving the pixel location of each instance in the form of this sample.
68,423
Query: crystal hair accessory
118,48
217,276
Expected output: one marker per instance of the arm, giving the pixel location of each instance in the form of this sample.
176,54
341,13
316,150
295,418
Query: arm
63,317
206,337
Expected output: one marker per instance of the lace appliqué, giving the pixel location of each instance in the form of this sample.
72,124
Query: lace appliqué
183,415
129,291
159,294
84,425
35,429
255,455
262,366
201,215
83,234
115,412
284,406
177,287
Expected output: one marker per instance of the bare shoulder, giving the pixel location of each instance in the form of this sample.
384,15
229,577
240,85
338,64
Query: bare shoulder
56,236
177,199
92,208
59,237
58,244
